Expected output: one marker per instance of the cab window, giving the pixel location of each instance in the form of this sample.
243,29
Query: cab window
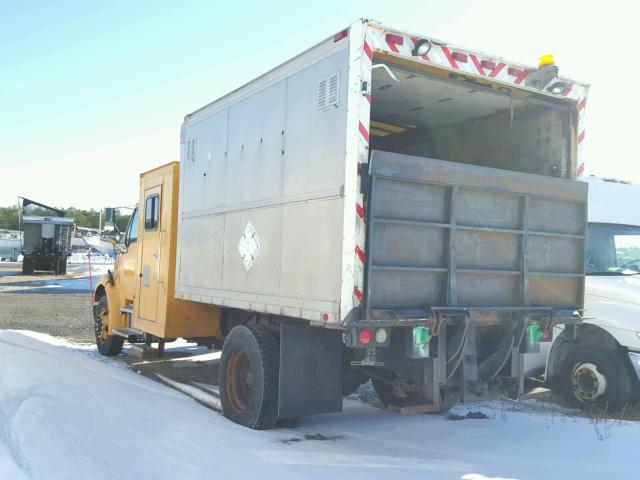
132,229
151,212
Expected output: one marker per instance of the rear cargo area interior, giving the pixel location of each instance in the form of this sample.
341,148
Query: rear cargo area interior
461,120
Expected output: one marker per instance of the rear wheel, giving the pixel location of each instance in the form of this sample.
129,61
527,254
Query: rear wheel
108,345
61,266
249,376
596,379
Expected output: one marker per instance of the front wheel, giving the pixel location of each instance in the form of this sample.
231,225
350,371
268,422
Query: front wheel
108,345
249,376
596,379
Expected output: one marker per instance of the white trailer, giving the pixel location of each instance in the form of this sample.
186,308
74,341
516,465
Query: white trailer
415,197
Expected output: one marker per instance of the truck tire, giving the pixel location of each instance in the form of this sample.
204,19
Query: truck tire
61,266
108,345
249,376
595,379
27,266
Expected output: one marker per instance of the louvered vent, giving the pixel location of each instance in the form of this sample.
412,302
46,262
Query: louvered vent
329,92
191,149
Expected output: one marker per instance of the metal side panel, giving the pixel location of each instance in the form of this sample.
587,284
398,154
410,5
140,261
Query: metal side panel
451,234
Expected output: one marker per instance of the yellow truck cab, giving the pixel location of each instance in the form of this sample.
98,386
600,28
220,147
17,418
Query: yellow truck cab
138,296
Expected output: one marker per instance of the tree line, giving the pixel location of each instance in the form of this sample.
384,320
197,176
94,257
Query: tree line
83,218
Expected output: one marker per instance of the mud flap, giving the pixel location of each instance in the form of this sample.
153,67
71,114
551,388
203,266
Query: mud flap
310,380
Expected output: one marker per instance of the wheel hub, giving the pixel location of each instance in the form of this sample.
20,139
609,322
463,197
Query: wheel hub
588,383
101,325
238,381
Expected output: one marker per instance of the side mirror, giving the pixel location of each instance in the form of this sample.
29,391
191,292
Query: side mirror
119,248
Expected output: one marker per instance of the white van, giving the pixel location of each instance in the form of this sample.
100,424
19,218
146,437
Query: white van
597,365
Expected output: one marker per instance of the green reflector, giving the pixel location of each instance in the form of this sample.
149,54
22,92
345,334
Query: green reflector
421,335
535,333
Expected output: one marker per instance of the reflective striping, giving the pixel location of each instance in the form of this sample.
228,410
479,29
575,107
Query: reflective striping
363,131
367,51
522,74
477,64
580,170
360,211
452,60
368,97
582,104
361,254
496,70
581,137
357,292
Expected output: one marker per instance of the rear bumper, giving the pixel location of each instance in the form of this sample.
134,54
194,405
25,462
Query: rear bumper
547,316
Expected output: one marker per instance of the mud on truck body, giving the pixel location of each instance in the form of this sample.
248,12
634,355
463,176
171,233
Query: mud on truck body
383,206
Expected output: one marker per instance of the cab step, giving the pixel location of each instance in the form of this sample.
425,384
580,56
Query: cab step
130,334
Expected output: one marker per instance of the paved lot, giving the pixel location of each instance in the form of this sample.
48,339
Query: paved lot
58,306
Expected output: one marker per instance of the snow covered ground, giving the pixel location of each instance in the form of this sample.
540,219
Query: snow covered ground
66,413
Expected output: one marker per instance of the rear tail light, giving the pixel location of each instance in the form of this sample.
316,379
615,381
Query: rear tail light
539,334
365,336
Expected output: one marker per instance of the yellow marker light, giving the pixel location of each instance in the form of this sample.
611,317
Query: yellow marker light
546,60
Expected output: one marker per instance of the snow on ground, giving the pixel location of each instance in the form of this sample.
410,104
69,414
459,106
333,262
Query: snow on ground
67,413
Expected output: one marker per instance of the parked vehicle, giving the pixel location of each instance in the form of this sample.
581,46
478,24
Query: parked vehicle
46,238
384,206
598,366
10,245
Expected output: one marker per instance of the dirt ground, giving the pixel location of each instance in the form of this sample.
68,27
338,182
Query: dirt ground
59,314
63,315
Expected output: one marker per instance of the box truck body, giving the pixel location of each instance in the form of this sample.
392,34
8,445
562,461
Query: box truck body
274,216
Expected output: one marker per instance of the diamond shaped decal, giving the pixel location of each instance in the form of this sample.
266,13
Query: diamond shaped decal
249,246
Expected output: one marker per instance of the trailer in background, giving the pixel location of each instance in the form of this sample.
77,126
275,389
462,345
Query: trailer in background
46,239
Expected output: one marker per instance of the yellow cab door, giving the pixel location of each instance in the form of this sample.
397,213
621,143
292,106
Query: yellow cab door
150,254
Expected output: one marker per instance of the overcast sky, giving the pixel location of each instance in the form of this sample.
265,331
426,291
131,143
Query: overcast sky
93,93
